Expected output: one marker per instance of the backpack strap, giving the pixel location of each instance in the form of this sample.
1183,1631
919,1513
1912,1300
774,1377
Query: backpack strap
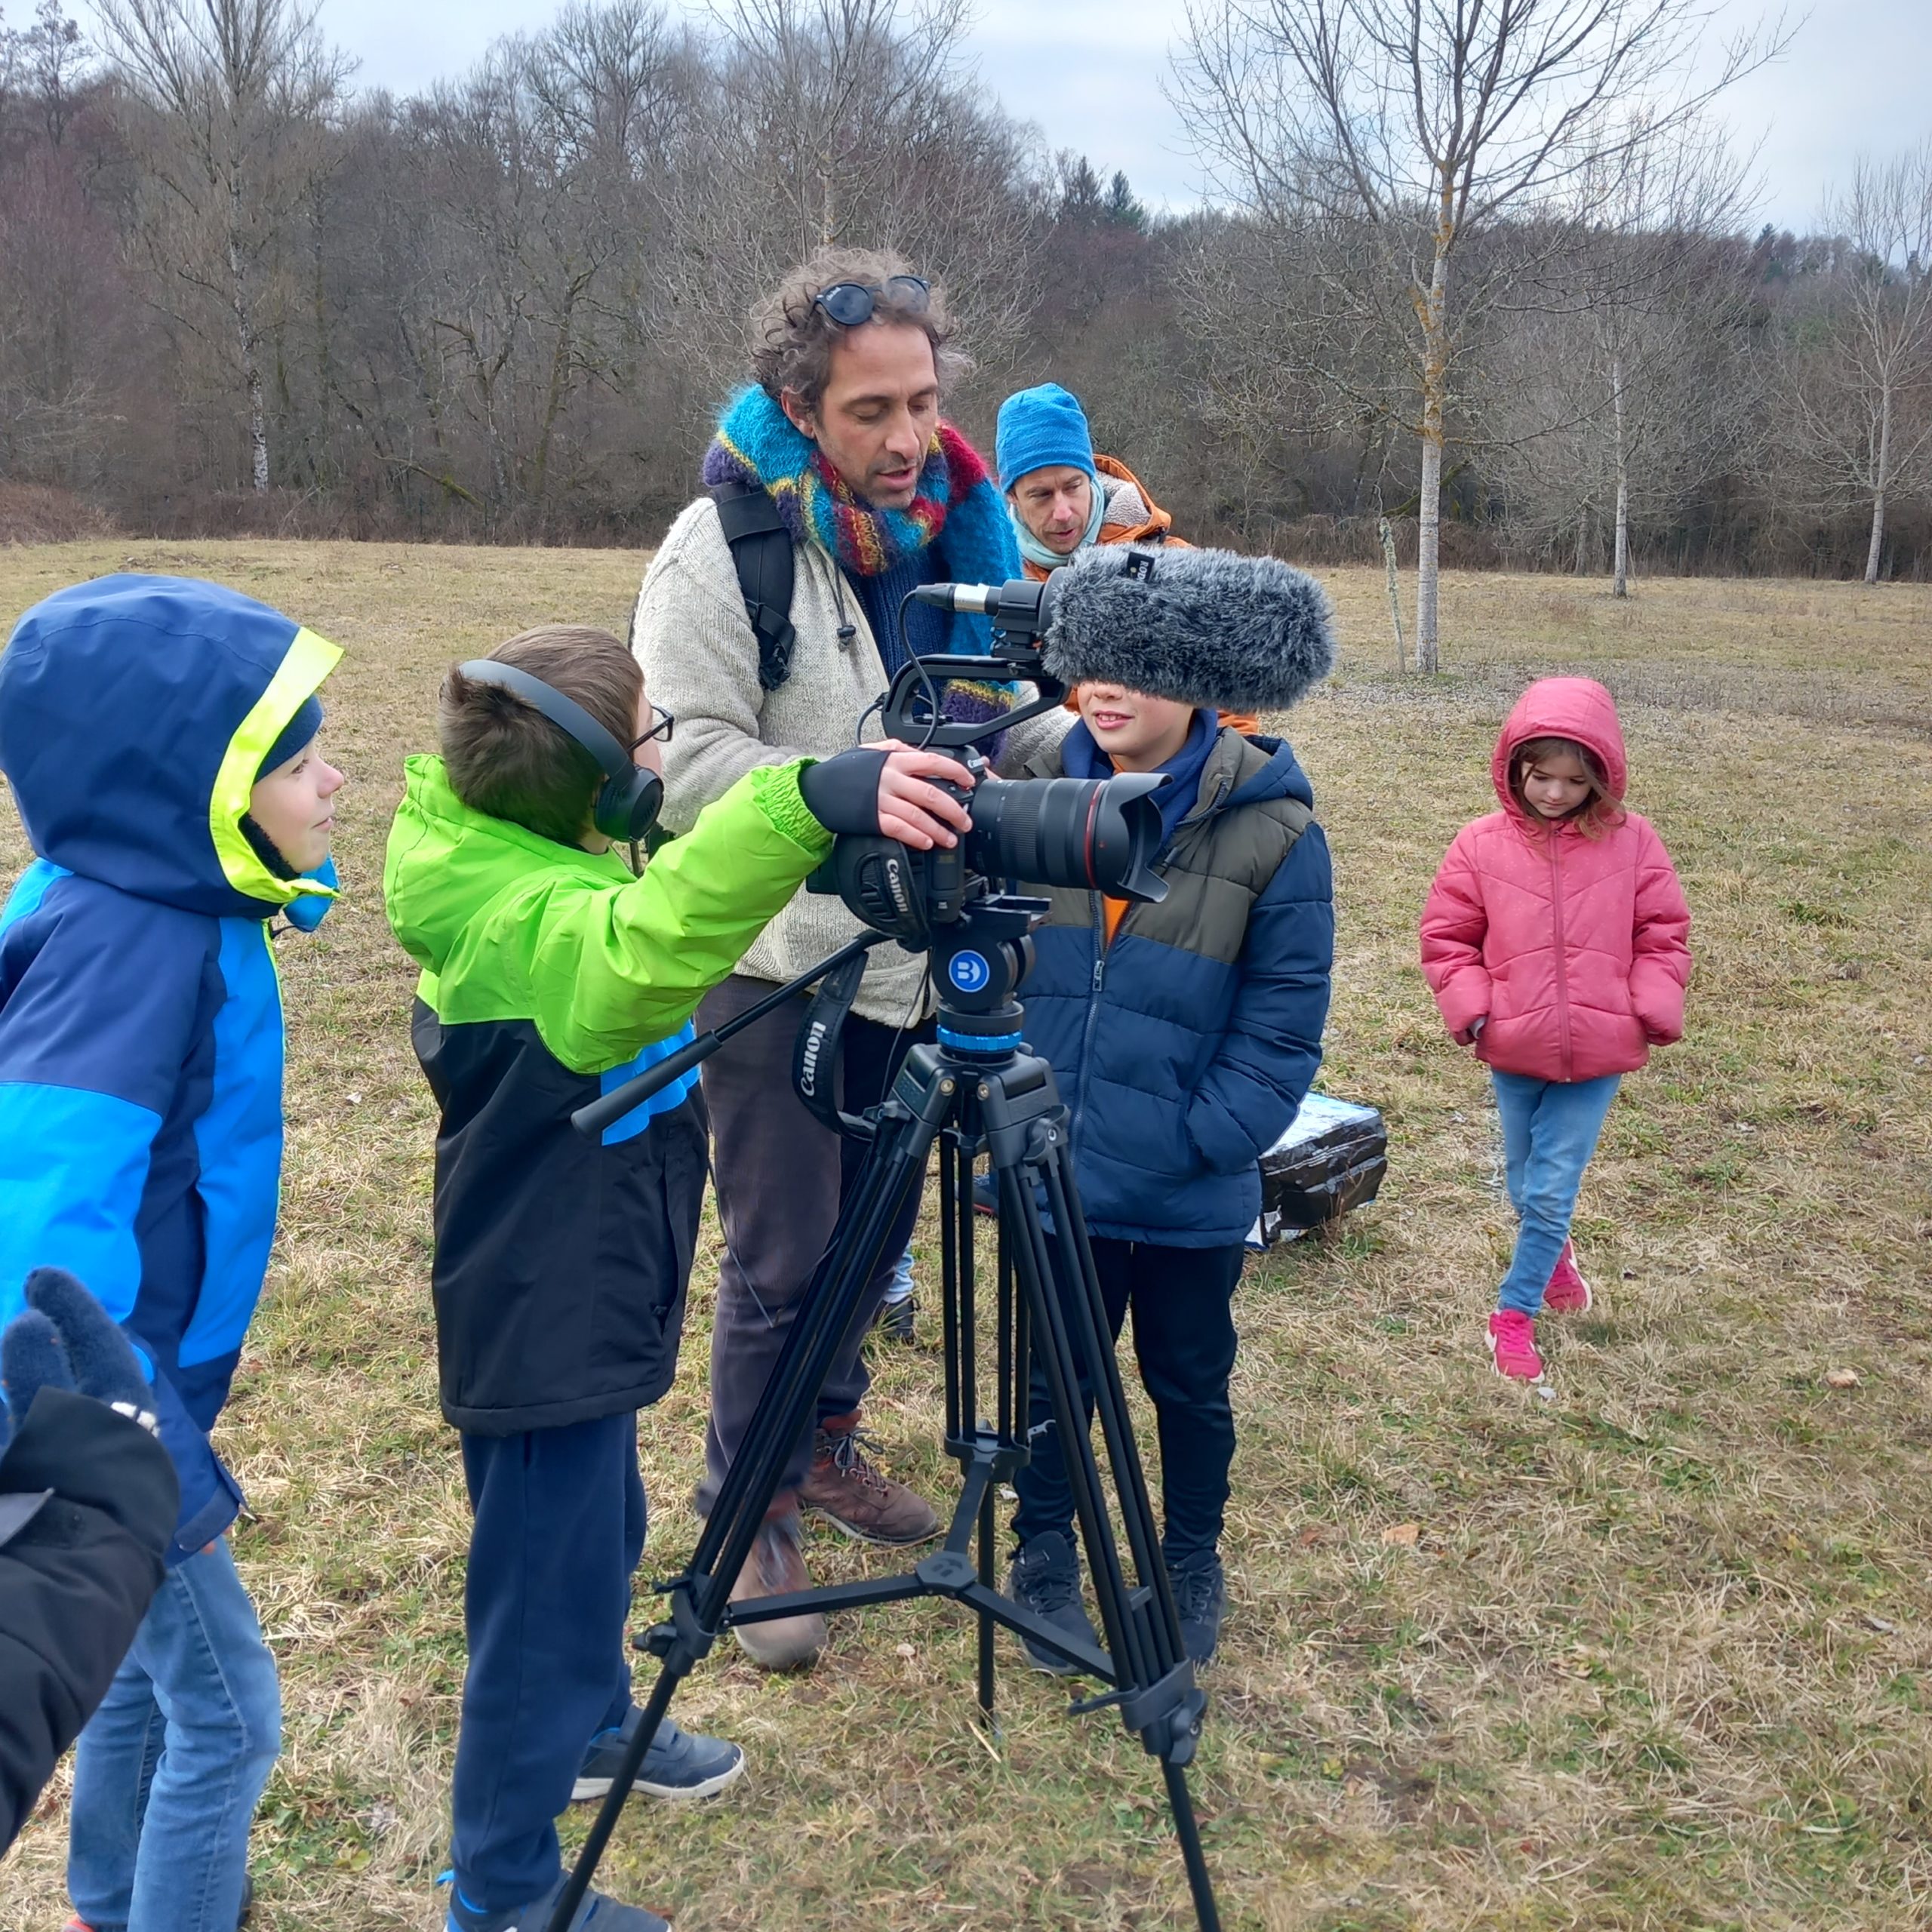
762,554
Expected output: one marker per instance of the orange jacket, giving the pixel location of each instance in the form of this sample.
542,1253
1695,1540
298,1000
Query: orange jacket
1155,527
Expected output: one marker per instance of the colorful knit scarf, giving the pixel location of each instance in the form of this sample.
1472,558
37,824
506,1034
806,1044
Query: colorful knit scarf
757,443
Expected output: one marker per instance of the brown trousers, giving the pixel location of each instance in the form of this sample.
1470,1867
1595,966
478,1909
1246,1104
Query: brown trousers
781,1178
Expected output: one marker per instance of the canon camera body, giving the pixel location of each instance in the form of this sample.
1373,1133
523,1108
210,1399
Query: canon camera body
1101,835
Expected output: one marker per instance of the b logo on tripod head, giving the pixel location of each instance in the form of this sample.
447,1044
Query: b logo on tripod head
968,971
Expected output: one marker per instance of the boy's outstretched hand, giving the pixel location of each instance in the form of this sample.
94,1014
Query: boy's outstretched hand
891,790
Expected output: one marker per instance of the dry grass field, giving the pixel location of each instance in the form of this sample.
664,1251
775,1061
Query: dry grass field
1651,1652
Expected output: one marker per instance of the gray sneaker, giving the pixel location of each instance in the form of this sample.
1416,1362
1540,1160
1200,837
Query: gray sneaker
680,1763
1045,1579
598,1913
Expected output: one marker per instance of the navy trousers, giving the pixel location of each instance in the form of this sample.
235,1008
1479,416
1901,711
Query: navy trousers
559,1532
1184,1342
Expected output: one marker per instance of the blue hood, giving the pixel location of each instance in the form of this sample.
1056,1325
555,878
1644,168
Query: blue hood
1281,777
134,714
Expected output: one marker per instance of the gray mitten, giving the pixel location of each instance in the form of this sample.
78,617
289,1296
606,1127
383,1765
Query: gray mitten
64,1338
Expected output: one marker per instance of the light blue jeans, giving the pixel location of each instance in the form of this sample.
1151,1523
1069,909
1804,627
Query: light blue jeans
170,1768
900,1288
1549,1132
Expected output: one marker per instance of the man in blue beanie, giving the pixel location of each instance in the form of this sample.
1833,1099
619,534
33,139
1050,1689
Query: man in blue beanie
1061,495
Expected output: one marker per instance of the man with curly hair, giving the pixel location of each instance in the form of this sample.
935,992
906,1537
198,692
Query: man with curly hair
838,442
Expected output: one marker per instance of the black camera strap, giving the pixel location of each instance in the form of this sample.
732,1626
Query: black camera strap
815,1053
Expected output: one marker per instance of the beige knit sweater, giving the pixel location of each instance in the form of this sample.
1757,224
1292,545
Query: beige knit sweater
699,658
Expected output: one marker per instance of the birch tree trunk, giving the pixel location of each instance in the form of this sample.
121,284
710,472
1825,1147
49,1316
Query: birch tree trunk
1430,310
251,367
1621,586
1883,476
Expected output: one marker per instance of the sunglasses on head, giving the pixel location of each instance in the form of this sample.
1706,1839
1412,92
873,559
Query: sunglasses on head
849,303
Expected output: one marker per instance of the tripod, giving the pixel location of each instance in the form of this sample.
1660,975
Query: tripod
977,1089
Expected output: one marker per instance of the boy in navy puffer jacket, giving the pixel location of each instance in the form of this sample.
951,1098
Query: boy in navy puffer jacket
1184,1036
159,736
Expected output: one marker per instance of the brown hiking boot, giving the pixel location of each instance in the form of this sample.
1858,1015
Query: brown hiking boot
776,1567
843,1485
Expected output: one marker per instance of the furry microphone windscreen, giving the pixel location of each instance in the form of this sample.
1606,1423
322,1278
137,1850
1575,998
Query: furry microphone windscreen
1204,627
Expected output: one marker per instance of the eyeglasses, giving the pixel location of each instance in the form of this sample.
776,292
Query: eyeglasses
661,729
849,303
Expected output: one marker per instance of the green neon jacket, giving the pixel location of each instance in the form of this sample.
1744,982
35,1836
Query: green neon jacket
551,975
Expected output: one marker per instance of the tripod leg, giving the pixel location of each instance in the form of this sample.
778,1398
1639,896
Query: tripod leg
649,1719
1088,1318
1154,1683
1069,1348
701,1596
1187,1830
826,1315
988,1533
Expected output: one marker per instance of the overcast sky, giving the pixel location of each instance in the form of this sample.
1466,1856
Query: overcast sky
1088,73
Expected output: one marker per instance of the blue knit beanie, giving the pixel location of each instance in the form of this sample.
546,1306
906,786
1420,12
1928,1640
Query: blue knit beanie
1040,426
296,733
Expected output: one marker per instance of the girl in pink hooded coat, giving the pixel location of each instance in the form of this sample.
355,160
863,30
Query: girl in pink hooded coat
1554,941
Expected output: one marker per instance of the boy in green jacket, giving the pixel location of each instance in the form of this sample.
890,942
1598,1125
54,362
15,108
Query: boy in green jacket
551,973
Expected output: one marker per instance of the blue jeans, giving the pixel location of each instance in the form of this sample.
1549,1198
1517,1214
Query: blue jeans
170,1769
1549,1132
900,1288
558,1532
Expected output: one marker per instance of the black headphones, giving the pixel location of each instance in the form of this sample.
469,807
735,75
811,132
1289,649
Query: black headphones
628,798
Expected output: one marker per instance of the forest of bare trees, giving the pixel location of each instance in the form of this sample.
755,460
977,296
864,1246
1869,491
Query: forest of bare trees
238,294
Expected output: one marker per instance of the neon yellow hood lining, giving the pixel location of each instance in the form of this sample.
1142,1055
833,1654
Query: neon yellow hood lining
309,659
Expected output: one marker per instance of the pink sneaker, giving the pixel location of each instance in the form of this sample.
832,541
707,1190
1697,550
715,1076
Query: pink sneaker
1568,1293
1512,1345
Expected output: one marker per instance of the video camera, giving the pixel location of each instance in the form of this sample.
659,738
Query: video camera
1098,834
1202,627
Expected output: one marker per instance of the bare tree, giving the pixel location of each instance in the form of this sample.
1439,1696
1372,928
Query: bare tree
236,88
45,62
1618,386
1860,377
1400,133
846,120
828,74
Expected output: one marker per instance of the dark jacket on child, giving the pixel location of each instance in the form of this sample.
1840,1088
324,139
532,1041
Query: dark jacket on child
551,976
1185,1043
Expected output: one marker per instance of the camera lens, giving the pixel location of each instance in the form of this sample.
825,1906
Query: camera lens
1099,833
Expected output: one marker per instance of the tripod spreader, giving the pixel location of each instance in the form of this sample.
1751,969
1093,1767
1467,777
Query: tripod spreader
1166,1716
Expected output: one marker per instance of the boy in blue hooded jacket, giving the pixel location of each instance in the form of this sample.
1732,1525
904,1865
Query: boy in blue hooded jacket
1184,1036
159,735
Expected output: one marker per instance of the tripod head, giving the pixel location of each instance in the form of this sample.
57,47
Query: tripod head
977,962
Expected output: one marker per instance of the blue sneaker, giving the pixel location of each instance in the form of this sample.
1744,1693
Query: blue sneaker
680,1763
598,1913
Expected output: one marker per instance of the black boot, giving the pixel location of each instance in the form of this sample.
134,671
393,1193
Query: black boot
1201,1595
893,1322
1045,1579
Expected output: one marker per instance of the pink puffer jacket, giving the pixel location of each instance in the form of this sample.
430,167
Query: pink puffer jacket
1572,950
